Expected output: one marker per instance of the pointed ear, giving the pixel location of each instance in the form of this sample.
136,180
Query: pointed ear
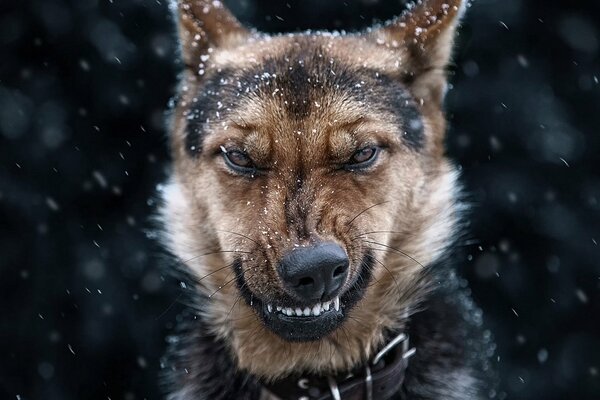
203,25
424,36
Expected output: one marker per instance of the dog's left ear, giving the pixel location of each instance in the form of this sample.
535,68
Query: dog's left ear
205,25
423,36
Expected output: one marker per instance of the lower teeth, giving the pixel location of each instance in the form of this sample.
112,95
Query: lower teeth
315,311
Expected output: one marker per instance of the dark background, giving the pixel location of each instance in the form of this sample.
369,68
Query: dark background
84,84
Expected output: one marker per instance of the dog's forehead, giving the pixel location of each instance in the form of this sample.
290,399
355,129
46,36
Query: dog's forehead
301,75
353,49
307,85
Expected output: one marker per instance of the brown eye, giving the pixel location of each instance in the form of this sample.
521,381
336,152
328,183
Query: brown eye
363,158
238,161
363,155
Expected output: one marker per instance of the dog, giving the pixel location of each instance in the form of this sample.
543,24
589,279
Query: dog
315,215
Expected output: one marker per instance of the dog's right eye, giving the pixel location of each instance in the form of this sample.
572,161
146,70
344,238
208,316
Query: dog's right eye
238,161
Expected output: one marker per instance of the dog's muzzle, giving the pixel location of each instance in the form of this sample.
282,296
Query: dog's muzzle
319,305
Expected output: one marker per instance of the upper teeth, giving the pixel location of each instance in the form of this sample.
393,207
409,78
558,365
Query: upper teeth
315,310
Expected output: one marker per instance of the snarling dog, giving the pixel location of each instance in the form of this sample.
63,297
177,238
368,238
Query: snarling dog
315,214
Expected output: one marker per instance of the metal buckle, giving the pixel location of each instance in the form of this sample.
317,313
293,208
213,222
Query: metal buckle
368,383
406,353
333,387
393,343
409,353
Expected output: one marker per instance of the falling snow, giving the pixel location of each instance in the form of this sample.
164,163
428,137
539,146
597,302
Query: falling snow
84,86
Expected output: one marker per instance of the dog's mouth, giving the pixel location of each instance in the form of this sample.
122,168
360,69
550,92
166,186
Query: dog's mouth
306,323
314,311
298,322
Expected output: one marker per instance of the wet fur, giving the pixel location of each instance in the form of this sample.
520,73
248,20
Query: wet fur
277,97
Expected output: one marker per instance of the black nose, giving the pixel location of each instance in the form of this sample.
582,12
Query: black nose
315,272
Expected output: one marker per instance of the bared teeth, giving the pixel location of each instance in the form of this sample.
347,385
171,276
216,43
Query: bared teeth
316,310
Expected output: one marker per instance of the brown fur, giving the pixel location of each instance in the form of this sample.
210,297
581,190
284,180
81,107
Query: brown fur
406,202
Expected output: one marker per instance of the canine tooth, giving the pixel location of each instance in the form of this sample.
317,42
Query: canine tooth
317,309
336,304
307,311
299,312
326,306
270,308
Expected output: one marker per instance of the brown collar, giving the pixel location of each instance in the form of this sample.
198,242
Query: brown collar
379,379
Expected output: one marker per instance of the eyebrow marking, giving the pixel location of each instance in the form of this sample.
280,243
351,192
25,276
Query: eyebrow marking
301,75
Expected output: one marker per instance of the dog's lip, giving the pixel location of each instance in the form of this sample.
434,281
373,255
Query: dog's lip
303,312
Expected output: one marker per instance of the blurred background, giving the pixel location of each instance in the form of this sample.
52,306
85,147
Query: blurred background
85,305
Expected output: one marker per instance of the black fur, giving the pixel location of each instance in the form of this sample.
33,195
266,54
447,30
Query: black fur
453,355
397,101
199,366
215,97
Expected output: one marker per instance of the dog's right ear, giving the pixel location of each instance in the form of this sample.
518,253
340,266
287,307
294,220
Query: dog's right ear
423,37
203,26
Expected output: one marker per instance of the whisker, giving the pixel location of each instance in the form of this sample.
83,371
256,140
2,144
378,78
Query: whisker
222,287
243,317
394,249
349,223
244,284
183,262
197,280
389,272
229,282
373,232
239,296
242,235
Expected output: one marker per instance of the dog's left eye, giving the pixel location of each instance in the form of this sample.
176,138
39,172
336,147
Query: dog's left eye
238,161
363,158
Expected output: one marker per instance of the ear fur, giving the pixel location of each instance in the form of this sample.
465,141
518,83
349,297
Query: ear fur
424,35
203,25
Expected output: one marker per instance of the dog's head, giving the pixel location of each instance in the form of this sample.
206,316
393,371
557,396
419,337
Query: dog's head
310,188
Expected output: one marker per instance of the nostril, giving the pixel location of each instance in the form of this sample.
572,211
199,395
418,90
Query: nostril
314,272
306,281
339,271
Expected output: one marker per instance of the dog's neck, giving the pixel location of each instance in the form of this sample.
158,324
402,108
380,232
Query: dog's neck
379,378
201,366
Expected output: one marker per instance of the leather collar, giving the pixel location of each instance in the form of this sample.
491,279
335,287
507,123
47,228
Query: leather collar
380,379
